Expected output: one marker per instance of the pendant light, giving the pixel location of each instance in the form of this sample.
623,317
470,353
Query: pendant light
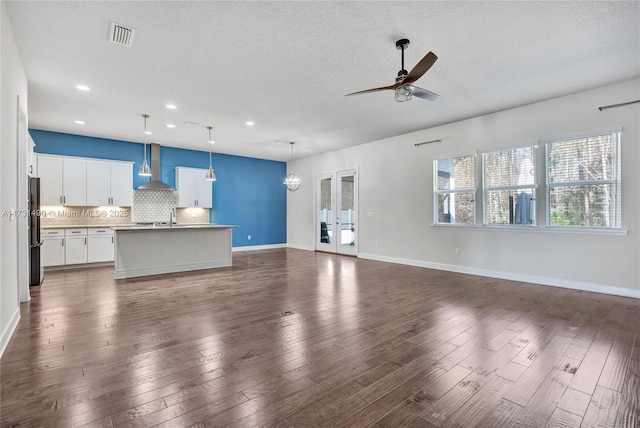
144,170
292,181
211,174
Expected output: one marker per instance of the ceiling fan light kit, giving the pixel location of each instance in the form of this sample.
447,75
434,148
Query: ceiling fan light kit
404,88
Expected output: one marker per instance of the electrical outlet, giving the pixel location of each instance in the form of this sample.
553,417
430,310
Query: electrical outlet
457,251
249,237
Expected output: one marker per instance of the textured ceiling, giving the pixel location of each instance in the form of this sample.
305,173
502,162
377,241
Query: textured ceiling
287,66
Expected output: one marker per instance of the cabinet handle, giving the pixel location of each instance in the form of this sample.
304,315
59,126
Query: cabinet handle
62,241
64,199
85,241
75,231
112,239
60,199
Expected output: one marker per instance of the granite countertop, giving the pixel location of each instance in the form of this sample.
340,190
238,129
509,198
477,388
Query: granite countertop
83,226
135,227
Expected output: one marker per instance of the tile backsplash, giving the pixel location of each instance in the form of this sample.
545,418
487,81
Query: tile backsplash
151,206
192,215
55,215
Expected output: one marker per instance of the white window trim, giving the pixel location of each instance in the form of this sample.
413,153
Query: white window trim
472,190
547,186
535,186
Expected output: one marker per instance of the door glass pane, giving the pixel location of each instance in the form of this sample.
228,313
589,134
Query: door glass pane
325,217
347,214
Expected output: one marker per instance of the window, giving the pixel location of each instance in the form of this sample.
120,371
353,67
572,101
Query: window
510,186
455,190
583,182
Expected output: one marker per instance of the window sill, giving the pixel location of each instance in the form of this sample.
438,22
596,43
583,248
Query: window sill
536,229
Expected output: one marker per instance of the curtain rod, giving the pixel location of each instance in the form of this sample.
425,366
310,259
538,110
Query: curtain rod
427,142
618,105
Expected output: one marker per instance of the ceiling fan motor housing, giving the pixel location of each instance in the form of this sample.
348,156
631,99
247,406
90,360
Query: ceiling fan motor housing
402,44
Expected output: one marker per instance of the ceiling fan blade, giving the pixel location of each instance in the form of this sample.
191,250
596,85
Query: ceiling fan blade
422,67
424,94
373,90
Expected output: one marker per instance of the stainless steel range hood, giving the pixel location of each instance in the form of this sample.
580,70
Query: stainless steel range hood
155,183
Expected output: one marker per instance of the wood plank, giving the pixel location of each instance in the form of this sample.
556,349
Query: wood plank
479,405
526,386
615,368
575,402
214,347
501,416
539,409
588,373
603,409
563,419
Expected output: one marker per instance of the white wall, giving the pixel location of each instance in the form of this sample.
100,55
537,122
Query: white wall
396,182
13,83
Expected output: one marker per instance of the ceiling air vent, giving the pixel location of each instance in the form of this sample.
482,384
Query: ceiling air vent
121,35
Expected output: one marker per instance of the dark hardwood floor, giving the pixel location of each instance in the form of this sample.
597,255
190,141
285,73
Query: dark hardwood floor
291,338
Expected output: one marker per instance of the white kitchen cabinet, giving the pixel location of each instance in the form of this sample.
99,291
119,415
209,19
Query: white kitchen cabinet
109,183
100,245
75,246
193,189
52,250
50,173
62,180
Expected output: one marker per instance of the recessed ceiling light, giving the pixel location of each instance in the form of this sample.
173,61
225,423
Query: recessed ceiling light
171,107
211,142
83,87
170,125
147,132
80,122
249,123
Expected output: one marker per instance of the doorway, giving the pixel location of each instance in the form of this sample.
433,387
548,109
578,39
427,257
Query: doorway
337,212
22,244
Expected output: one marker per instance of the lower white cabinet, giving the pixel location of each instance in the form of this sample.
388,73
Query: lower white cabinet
76,246
100,245
52,250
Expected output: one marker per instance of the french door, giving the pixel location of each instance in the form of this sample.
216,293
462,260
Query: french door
336,220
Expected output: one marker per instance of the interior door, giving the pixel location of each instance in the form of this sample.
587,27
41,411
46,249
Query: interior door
337,212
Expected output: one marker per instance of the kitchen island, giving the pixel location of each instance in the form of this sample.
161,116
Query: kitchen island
144,250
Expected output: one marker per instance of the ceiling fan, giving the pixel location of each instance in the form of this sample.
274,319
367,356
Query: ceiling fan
404,87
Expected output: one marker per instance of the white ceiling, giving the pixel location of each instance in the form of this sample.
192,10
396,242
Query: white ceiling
288,65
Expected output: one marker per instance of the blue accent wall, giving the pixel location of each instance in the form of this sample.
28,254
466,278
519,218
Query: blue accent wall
248,192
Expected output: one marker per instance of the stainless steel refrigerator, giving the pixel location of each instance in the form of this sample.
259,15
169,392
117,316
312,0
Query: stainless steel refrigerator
36,270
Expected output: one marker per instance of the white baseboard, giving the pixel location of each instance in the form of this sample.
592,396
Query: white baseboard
8,330
258,247
512,276
301,247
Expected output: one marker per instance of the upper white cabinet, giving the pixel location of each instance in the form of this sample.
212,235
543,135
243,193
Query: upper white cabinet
62,180
109,183
84,182
193,189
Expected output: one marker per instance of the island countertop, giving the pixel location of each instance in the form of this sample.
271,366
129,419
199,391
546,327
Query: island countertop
143,249
147,227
